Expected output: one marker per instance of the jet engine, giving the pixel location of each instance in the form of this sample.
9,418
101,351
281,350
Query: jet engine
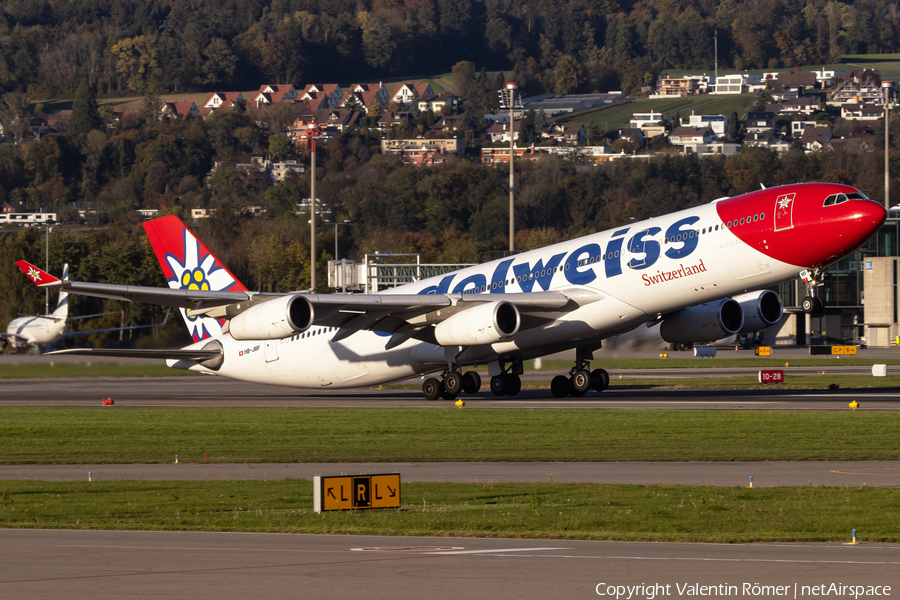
762,309
482,324
273,319
704,322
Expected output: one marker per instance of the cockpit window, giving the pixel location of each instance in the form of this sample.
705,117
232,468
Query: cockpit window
835,199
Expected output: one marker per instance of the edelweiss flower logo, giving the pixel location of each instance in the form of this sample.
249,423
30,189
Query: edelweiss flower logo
199,272
34,274
784,202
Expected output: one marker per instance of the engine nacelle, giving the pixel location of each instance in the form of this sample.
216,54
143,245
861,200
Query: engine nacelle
762,309
482,324
704,323
273,319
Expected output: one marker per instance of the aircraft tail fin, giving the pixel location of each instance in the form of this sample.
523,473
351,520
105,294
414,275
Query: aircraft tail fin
188,264
62,305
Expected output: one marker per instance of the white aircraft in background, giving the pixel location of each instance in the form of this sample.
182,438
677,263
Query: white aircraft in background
679,269
28,331
36,331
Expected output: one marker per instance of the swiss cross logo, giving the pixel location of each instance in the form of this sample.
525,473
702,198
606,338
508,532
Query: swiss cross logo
784,212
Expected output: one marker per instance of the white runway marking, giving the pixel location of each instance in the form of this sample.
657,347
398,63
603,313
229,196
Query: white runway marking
500,551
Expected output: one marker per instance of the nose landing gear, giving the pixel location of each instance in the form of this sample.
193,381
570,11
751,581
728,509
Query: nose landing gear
812,304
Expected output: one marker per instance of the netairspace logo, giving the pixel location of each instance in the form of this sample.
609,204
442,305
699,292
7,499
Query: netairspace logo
654,590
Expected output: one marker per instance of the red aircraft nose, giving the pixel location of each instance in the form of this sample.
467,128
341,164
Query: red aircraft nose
860,222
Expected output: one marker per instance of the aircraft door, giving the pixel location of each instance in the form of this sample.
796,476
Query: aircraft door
271,350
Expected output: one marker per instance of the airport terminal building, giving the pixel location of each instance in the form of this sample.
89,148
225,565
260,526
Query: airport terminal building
860,295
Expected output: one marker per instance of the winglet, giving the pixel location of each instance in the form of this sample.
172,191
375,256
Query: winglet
40,277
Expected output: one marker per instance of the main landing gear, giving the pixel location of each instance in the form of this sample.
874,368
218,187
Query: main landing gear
450,386
581,378
812,304
454,382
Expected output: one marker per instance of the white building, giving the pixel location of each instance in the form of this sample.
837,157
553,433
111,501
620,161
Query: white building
718,123
736,84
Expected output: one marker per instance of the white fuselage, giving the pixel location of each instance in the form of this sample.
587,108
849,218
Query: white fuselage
635,270
35,331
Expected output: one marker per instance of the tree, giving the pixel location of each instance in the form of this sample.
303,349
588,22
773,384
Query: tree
568,75
220,63
136,58
279,146
15,116
85,115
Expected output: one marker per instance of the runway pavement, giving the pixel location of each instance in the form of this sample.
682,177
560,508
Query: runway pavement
728,474
229,566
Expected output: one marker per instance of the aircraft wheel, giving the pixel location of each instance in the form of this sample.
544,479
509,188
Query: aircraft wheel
448,395
432,389
599,379
559,386
812,306
471,382
514,385
499,385
580,381
453,383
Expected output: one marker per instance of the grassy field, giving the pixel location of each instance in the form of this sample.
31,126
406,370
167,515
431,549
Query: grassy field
100,368
550,511
89,369
616,116
444,433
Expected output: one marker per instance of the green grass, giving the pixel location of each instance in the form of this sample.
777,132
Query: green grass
545,510
88,369
444,433
97,368
618,115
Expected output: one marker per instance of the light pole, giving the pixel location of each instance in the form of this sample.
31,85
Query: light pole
341,267
887,87
346,221
509,98
47,269
312,132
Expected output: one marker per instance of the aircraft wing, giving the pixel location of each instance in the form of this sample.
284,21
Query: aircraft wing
197,354
13,336
404,316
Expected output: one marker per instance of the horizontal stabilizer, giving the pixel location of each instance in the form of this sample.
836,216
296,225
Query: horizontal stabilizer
198,354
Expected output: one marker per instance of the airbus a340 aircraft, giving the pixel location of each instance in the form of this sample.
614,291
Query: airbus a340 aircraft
681,269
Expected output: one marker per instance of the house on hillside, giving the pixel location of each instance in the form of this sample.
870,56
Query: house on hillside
861,112
736,84
340,119
176,110
437,103
758,121
326,95
499,131
407,93
681,136
423,153
567,133
816,138
284,91
769,138
676,87
390,119
862,87
651,124
718,123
